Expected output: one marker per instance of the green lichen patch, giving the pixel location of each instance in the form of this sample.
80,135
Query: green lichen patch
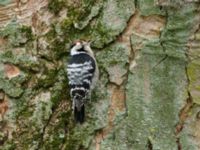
149,7
148,118
175,36
31,110
152,46
16,34
114,61
20,58
11,89
113,55
101,28
34,109
5,2
21,106
112,21
21,79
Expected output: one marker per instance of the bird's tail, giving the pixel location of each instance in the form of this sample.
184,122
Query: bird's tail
79,114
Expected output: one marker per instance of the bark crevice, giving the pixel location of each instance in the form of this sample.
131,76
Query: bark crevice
125,38
183,114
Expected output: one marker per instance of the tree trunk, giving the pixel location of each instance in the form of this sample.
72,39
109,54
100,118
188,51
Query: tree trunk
148,94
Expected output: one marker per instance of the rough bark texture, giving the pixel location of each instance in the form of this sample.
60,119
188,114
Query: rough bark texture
148,96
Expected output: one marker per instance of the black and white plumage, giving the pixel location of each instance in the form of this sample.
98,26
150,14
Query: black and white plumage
82,73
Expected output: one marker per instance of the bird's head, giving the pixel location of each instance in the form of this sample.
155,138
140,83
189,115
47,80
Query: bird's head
81,47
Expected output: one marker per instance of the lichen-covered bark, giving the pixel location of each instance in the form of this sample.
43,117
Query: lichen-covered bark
148,93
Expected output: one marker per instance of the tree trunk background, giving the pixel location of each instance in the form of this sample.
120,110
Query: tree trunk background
148,95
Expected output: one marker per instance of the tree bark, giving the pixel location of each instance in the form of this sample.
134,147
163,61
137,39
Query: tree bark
148,94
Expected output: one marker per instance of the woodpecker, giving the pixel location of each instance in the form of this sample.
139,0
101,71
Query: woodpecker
82,72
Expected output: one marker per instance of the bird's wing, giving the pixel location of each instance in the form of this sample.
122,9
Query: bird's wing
80,72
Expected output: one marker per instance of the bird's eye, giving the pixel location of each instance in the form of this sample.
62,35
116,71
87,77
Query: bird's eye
81,49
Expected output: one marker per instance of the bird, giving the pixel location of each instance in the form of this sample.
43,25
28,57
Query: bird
83,74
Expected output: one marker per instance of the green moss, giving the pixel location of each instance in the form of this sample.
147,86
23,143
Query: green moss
191,70
59,127
80,13
193,74
9,145
22,109
52,33
75,15
55,98
101,34
60,89
47,79
67,27
72,144
27,31
67,24
7,55
58,48
56,6
26,113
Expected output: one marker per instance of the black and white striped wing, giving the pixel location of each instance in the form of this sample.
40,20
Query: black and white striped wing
80,72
